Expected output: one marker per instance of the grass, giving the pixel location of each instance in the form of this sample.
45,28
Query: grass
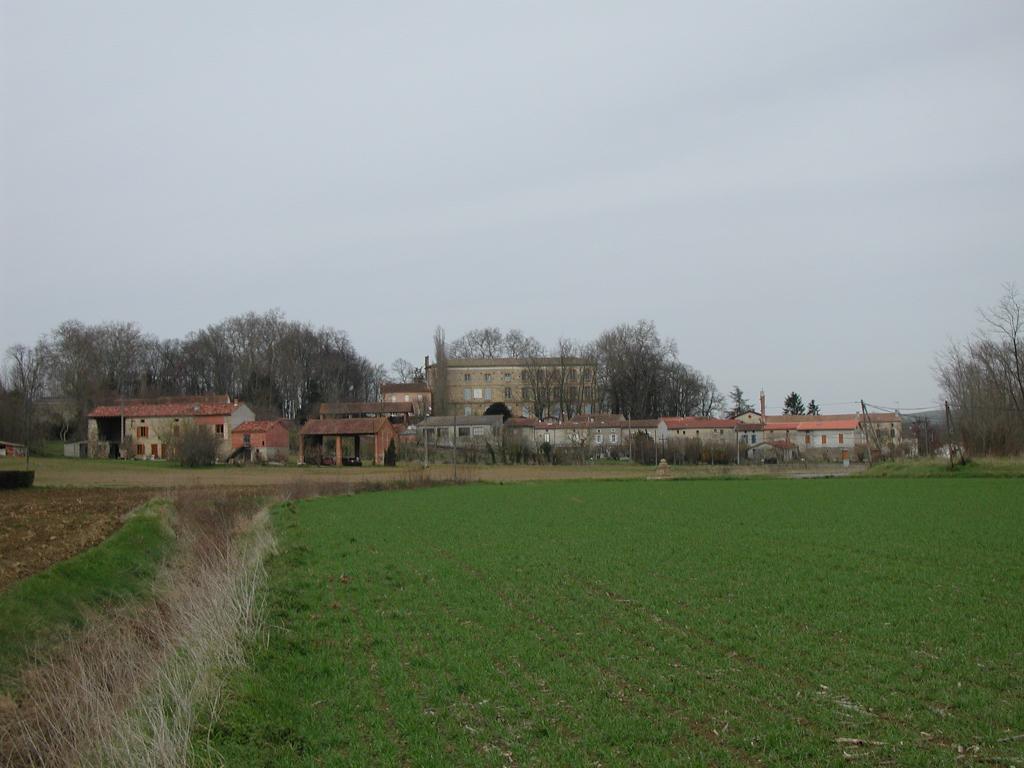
38,610
762,622
982,467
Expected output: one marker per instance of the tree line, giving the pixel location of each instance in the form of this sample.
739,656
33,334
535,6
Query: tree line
278,366
982,379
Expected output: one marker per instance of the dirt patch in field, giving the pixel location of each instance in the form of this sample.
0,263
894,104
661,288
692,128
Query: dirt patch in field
42,526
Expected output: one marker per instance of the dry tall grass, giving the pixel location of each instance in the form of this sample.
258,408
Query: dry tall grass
127,689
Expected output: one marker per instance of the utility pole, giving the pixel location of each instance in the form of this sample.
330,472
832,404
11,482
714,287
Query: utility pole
864,424
426,449
455,436
953,447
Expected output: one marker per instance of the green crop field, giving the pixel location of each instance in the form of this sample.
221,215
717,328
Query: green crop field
737,622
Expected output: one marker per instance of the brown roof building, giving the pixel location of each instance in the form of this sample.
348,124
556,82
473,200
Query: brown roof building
345,441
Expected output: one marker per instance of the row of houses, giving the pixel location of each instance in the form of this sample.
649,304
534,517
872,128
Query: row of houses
363,432
751,434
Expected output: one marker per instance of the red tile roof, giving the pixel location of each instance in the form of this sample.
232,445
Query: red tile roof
157,410
344,426
256,427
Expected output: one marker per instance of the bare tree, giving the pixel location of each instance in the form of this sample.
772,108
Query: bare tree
26,373
404,371
983,380
1005,352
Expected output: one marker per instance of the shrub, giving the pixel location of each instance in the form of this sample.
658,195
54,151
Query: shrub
197,446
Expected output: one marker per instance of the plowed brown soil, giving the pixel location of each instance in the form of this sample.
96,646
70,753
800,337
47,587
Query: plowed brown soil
42,526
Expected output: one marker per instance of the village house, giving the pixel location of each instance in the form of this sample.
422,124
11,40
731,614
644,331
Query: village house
416,393
260,441
146,429
596,434
697,428
464,430
641,427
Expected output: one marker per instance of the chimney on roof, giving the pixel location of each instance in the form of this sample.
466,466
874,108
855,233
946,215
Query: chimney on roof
426,362
762,404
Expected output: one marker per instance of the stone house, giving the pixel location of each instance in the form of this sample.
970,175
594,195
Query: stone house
146,429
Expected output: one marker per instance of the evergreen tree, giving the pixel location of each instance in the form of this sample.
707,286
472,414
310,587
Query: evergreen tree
813,409
793,405
739,403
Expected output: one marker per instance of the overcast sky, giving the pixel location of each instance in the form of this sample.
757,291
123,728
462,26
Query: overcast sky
805,195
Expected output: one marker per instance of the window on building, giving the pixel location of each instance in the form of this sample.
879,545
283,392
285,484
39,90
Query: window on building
753,438
508,393
547,435
526,393
140,450
154,450
467,394
824,439
487,393
526,411
508,376
463,431
478,431
598,438
467,410
840,438
465,377
613,438
219,430
478,394
487,377
807,439
407,398
142,431
572,374
523,375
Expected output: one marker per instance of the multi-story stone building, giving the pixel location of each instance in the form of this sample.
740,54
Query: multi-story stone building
548,386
